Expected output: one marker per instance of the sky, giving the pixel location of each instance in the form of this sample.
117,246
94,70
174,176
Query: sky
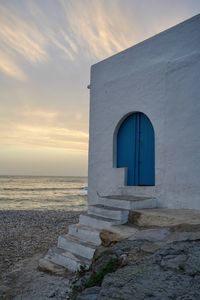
46,50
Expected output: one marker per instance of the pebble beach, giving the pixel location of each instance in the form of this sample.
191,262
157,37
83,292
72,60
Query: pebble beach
24,235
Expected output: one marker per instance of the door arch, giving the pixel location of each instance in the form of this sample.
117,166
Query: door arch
136,149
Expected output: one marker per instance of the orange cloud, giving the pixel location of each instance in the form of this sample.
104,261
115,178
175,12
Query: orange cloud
44,136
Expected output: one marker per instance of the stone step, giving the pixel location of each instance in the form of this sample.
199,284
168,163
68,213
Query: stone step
85,233
109,212
66,259
128,202
76,246
97,222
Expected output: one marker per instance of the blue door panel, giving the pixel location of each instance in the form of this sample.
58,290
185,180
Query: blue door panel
135,149
146,152
136,137
126,148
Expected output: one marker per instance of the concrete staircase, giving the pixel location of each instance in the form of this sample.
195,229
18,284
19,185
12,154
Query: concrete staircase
77,248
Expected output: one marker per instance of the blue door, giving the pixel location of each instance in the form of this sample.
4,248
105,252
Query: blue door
135,149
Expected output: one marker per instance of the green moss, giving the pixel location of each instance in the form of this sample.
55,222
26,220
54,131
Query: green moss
97,278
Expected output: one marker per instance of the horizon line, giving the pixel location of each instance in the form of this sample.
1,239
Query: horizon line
28,175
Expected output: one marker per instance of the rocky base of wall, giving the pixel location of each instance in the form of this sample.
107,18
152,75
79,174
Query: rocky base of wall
141,269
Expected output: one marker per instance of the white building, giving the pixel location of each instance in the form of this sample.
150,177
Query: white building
144,147
160,78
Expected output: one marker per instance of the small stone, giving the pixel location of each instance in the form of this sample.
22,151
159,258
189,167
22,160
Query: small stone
52,294
123,260
109,238
47,266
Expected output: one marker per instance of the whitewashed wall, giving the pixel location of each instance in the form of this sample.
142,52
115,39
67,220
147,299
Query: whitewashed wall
161,78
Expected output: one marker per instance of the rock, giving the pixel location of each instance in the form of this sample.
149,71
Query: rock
183,236
175,262
109,237
172,272
150,248
52,294
123,260
89,294
165,217
148,264
99,251
184,227
47,266
134,217
192,265
135,249
124,231
153,234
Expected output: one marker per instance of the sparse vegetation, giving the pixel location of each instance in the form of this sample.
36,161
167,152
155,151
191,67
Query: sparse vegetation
97,277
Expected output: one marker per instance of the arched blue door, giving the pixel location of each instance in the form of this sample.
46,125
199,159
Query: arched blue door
135,149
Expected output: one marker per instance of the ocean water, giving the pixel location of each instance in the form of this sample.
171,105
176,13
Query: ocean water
42,193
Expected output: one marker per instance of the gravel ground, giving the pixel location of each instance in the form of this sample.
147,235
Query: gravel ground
25,236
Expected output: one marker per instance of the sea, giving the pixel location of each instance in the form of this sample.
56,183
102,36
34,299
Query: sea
43,193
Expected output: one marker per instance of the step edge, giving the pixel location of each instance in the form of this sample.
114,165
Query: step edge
69,255
98,218
137,198
109,208
85,227
118,218
76,240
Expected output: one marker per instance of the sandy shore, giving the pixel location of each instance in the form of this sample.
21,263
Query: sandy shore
25,236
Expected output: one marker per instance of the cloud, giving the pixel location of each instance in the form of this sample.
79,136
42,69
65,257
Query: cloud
84,29
34,31
9,67
45,136
22,36
19,39
37,113
37,32
99,27
36,126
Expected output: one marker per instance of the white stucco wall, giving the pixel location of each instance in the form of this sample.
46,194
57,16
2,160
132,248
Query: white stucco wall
161,78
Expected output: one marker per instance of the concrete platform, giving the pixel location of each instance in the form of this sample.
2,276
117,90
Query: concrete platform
167,217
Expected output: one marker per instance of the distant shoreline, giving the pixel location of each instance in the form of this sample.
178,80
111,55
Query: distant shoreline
51,176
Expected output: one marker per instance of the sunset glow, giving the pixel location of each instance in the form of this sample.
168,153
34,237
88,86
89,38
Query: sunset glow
46,50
